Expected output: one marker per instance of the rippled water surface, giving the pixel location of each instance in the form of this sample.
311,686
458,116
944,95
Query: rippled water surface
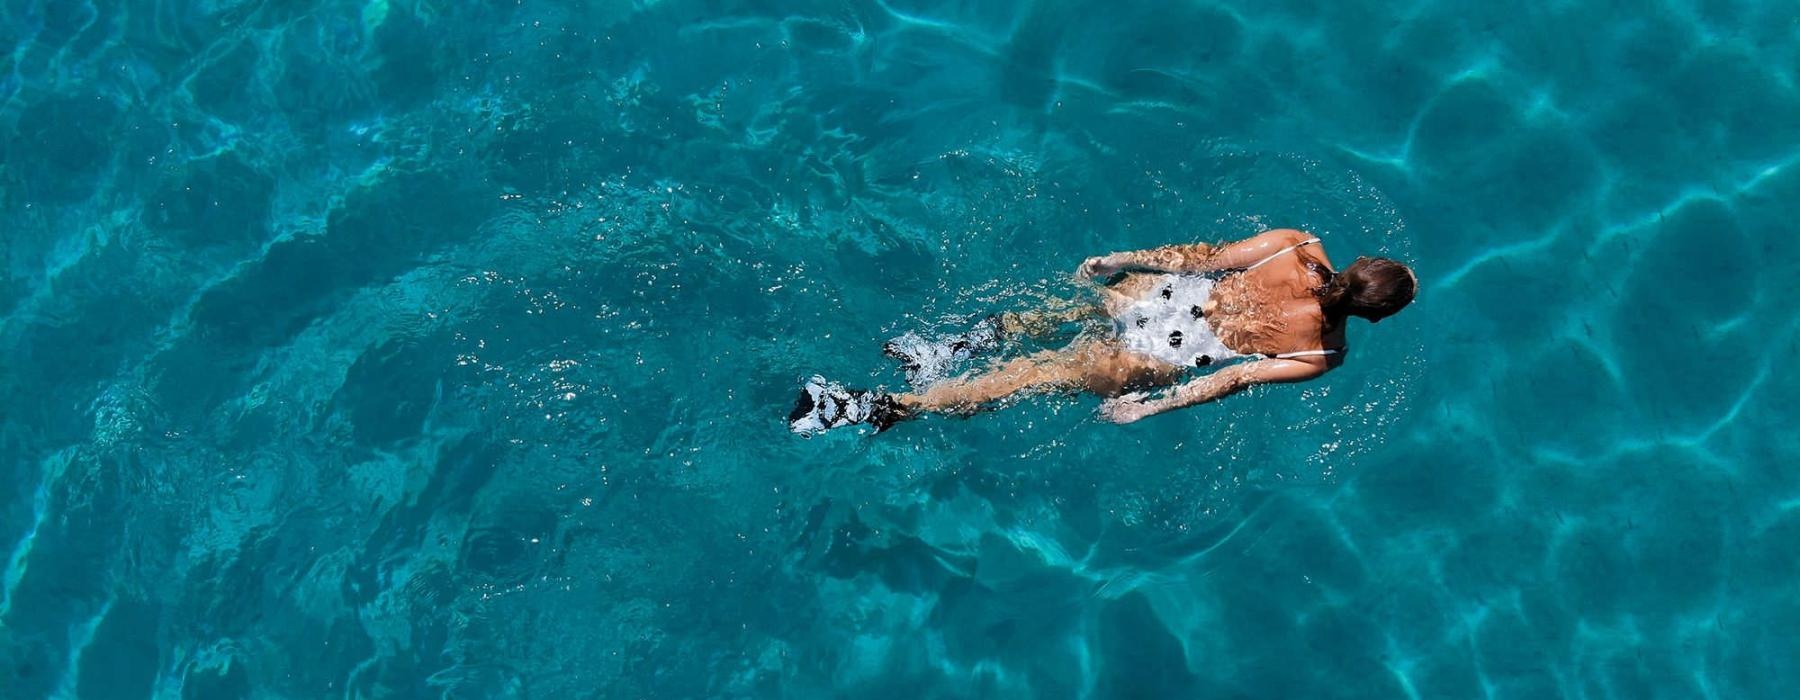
407,348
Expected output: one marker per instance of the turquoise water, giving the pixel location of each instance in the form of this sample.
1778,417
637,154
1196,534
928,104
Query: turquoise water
425,348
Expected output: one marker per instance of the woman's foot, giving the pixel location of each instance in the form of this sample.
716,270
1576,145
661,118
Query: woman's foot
825,405
928,361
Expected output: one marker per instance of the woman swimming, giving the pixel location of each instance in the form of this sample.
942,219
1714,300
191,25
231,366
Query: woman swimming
1272,300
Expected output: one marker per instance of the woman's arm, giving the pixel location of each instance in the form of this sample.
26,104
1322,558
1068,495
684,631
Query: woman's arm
1193,257
1212,387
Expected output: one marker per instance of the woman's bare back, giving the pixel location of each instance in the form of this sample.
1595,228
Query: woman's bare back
1268,310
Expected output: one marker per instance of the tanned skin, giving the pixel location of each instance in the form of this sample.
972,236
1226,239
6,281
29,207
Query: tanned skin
1269,310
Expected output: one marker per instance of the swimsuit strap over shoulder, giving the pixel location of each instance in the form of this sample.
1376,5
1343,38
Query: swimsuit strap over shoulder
1307,353
1279,253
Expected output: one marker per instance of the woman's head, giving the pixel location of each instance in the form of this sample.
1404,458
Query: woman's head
1373,288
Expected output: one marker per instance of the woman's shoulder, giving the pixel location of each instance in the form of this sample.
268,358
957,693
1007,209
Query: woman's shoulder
1284,236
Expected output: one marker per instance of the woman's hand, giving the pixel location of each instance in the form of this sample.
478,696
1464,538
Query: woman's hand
1102,266
1129,408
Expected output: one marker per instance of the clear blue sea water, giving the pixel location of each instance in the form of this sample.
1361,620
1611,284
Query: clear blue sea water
423,348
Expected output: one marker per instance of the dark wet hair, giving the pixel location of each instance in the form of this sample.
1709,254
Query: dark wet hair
1373,288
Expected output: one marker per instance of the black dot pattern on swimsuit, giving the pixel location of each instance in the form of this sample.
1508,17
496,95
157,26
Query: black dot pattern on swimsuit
1171,325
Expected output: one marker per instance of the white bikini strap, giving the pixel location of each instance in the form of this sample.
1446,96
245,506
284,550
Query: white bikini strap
1278,253
1306,353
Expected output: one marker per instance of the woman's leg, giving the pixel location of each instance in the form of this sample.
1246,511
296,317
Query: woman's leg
918,353
929,360
1101,367
1097,366
1045,322
1051,370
